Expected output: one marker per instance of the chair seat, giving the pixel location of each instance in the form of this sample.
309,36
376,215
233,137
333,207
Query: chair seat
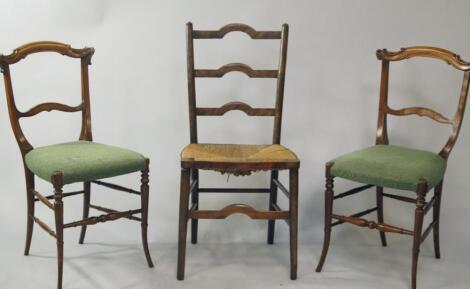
232,155
82,161
391,166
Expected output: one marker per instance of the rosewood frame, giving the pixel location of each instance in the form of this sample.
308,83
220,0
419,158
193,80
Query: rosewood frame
57,206
422,205
190,169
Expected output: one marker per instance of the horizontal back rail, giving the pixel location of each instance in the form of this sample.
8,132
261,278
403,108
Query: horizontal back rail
46,46
239,67
49,106
236,105
236,27
421,111
424,51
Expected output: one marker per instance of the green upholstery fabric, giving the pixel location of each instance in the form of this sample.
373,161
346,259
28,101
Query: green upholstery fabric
83,161
390,166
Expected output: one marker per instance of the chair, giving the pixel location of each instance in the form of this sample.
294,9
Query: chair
66,163
397,167
240,159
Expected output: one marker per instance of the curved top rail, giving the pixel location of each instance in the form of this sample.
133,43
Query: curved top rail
238,27
424,51
46,46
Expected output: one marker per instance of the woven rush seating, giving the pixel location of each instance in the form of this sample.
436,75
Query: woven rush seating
238,153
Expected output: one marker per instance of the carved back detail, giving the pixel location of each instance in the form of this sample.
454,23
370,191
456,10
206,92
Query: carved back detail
424,51
21,52
421,51
218,34
193,73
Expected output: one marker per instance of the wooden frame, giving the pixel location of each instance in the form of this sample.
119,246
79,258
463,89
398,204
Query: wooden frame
33,196
190,169
422,206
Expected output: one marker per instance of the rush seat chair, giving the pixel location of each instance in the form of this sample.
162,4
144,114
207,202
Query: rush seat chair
397,167
237,159
82,161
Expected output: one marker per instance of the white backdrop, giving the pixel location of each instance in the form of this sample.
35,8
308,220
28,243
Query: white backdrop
139,101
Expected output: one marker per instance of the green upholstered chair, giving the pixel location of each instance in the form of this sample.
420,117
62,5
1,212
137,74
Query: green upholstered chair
82,161
390,166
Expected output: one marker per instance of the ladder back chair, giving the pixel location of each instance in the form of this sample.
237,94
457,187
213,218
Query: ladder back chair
81,161
398,167
237,159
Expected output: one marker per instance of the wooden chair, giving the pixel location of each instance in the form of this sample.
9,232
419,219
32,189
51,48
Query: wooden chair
397,167
81,161
236,159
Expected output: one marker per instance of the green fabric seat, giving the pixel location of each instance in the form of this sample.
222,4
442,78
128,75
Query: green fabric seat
390,166
82,161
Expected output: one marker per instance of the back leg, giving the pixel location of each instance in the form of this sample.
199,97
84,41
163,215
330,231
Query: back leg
30,217
183,222
272,200
86,209
436,218
380,213
195,203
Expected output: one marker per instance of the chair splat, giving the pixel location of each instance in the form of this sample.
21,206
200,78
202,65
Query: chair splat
236,27
49,106
235,105
236,67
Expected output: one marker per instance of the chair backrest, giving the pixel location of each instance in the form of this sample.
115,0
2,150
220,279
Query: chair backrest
21,52
422,51
193,73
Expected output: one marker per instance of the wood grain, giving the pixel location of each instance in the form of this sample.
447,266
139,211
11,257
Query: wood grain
33,196
235,105
190,167
46,46
49,106
238,209
103,218
236,27
236,67
424,51
372,225
421,111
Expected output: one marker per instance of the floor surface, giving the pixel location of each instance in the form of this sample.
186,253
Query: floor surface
112,264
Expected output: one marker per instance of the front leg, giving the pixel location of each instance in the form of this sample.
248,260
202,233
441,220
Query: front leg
183,222
328,212
419,215
144,197
293,212
57,182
